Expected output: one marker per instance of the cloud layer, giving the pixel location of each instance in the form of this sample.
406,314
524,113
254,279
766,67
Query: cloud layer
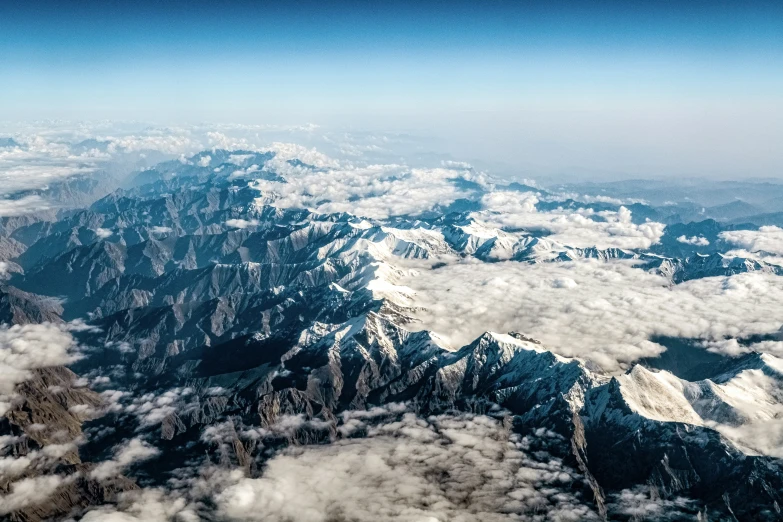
582,228
374,191
603,311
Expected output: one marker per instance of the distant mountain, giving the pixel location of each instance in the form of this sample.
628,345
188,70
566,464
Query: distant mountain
732,211
8,143
761,220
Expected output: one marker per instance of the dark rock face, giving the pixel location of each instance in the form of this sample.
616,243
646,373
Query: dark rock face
48,415
18,307
242,327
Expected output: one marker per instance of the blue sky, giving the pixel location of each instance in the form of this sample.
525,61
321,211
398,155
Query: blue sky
658,85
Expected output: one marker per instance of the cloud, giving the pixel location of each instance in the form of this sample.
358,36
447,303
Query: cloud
765,239
13,465
160,230
644,503
694,240
220,140
135,450
239,159
603,311
773,347
442,468
758,255
146,505
407,468
166,141
27,347
242,173
39,163
760,438
241,223
764,244
583,228
103,233
151,409
22,206
30,491
374,191
292,151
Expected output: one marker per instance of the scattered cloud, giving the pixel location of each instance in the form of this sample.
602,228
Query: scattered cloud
442,468
103,233
31,491
145,505
161,230
241,223
27,347
135,450
292,151
694,240
644,503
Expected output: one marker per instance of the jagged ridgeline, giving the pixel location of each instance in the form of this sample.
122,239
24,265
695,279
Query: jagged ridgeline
213,329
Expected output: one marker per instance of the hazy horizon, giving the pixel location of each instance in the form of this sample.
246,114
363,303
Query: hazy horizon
616,90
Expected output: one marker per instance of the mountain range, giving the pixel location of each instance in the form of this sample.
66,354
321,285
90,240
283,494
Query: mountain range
215,327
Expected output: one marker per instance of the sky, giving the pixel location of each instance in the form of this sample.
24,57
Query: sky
625,89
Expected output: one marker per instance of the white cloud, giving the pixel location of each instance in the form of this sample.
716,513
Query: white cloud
12,466
103,233
146,505
242,173
608,314
241,223
768,240
239,159
22,206
40,162
204,161
27,347
514,210
761,438
758,255
160,230
169,142
151,409
694,240
444,468
135,450
644,503
456,468
292,151
220,140
375,191
30,491
773,347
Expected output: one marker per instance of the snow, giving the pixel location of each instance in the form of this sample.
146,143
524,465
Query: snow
657,396
746,407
